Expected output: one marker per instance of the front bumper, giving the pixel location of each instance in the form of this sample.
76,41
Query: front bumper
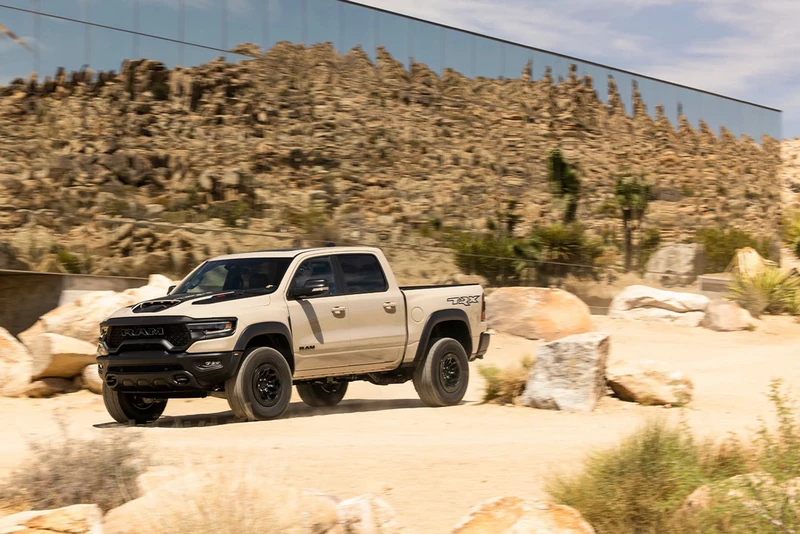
483,345
167,374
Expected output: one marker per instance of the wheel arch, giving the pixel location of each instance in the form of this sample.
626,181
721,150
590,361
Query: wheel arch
445,323
270,334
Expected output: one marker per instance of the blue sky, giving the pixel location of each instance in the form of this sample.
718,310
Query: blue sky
740,48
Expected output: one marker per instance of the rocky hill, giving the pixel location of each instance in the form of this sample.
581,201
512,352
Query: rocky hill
302,141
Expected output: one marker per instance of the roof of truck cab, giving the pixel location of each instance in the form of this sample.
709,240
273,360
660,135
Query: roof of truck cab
291,252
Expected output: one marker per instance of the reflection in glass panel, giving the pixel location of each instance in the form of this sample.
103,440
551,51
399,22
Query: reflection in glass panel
692,106
118,13
649,93
62,45
323,22
623,82
394,36
167,52
489,58
16,61
599,80
357,27
204,23
109,49
286,21
560,68
71,9
459,52
247,23
516,57
751,122
428,46
712,113
668,96
733,116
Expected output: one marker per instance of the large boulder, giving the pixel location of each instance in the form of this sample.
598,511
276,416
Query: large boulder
81,318
678,264
537,313
515,515
16,366
569,373
47,387
76,519
726,316
57,356
644,303
649,382
90,379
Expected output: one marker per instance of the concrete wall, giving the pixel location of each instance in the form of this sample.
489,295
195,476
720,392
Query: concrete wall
26,296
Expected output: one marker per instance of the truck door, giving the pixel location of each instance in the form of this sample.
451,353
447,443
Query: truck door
377,312
320,324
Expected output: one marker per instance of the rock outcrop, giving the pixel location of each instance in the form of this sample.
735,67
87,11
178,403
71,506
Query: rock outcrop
537,313
301,140
649,382
77,519
569,373
646,303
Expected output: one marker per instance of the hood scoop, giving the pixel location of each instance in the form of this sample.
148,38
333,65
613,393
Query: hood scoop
164,303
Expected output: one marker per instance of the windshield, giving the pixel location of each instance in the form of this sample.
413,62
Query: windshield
251,274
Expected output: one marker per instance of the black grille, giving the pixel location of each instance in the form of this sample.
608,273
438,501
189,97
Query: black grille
176,334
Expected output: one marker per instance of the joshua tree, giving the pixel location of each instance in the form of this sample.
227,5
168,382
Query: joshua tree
565,183
631,195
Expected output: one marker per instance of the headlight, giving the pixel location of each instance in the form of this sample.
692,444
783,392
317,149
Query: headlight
211,329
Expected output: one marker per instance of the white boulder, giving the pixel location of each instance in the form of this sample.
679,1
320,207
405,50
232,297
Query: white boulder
16,366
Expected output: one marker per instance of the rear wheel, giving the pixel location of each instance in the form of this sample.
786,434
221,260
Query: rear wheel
441,379
127,408
262,388
321,395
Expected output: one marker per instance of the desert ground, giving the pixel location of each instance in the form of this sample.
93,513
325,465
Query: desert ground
430,464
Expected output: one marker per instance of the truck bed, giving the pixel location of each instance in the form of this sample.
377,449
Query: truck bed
435,286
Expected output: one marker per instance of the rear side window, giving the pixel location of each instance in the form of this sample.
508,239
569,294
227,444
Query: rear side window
362,273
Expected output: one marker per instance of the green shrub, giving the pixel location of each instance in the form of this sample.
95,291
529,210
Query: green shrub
100,470
495,258
561,249
790,228
504,385
770,291
721,245
638,485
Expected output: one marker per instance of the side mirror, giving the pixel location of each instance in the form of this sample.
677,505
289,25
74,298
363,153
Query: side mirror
170,289
312,288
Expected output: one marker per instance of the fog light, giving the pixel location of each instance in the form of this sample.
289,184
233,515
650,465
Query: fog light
210,364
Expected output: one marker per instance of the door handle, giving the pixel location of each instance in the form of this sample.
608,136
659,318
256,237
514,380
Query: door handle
338,309
389,305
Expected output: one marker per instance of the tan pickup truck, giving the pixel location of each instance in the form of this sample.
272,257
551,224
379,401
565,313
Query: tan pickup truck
246,327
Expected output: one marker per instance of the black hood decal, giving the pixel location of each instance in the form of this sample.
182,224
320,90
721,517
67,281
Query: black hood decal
164,303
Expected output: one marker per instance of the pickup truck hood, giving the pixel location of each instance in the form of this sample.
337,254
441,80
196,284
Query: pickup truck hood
198,305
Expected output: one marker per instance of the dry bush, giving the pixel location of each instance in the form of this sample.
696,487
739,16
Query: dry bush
61,472
770,291
504,385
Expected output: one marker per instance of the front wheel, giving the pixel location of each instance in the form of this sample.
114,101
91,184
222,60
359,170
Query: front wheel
127,408
441,379
262,388
321,395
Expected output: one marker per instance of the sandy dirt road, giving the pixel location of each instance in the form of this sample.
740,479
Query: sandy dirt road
432,465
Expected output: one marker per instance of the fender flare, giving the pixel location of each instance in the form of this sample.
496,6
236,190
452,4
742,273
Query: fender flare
437,318
259,329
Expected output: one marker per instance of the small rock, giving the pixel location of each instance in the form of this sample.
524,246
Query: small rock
649,382
47,387
569,373
726,316
639,296
367,514
515,515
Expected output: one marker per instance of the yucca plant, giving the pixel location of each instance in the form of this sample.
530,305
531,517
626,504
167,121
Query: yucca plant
770,291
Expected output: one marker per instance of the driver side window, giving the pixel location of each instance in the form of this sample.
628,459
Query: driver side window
315,269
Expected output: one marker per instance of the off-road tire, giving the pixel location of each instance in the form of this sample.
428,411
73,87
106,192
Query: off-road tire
322,395
127,408
433,378
262,388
